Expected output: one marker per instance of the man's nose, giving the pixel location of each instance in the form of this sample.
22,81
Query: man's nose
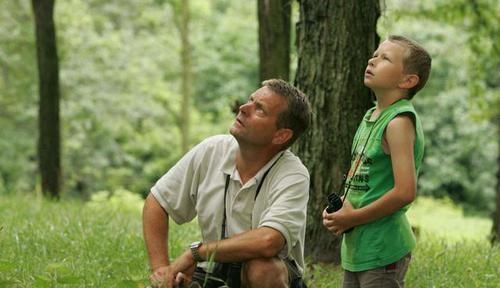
244,108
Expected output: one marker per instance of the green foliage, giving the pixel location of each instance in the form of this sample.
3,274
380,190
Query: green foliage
18,97
226,69
120,82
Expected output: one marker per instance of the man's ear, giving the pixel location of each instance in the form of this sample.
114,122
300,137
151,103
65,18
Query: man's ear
282,136
409,81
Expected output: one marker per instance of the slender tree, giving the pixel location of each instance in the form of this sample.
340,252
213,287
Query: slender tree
48,75
274,38
495,230
186,74
335,40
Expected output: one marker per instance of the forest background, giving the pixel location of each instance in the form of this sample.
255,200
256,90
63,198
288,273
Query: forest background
122,122
120,75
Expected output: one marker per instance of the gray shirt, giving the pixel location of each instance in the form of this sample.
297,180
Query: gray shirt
195,187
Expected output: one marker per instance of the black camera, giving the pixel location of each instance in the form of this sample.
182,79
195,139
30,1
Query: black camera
334,204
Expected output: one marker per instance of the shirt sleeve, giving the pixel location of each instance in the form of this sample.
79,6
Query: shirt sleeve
176,190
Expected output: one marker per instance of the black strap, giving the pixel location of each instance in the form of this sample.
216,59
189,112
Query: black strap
224,217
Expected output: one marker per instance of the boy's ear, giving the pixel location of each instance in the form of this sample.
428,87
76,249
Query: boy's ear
409,81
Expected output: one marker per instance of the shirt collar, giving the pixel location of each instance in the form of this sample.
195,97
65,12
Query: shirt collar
229,167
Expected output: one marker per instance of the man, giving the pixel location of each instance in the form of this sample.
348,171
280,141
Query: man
249,194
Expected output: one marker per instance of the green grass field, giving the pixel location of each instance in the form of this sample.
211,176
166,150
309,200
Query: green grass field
99,244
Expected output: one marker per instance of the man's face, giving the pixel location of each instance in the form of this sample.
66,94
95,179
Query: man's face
385,68
256,120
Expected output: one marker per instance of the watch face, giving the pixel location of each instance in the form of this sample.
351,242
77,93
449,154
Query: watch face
194,251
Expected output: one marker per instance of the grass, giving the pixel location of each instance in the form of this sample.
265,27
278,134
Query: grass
99,244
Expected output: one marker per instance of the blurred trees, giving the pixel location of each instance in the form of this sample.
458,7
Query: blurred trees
182,19
120,72
49,139
331,65
120,87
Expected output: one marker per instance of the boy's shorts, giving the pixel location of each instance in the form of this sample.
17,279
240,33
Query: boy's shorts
390,276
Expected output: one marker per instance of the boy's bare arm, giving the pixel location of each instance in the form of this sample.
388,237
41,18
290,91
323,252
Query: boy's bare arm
400,136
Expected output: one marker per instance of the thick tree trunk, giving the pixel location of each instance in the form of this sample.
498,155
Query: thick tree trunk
186,75
335,40
274,38
48,74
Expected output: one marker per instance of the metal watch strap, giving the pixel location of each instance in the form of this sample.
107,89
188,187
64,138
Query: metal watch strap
195,246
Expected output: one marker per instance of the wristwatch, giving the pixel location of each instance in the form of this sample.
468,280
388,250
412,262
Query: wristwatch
195,246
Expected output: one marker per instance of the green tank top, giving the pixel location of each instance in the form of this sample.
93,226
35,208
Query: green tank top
388,239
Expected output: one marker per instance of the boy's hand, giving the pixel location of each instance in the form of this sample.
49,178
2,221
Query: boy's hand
341,220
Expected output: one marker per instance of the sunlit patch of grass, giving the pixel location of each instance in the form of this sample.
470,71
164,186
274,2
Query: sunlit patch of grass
441,263
442,218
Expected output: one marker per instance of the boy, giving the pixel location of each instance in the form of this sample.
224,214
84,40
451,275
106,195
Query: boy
387,152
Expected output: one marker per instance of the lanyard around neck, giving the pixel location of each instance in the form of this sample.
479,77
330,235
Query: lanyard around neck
342,186
226,187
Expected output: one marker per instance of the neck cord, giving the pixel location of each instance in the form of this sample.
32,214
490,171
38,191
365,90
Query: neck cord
224,217
342,186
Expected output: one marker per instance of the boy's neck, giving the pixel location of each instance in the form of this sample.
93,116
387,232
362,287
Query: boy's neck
386,99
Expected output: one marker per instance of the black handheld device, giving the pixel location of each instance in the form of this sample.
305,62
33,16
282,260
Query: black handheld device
334,204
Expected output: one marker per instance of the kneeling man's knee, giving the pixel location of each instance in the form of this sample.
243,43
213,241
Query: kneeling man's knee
265,272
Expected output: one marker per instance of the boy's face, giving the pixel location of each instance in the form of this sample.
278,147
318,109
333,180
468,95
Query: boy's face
385,68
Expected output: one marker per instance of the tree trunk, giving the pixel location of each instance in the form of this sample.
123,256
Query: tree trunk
186,75
274,38
495,231
48,75
335,41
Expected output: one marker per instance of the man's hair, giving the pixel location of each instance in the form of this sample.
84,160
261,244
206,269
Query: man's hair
297,115
416,61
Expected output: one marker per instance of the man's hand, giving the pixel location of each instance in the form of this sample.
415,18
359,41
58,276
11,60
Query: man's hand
172,276
341,220
157,278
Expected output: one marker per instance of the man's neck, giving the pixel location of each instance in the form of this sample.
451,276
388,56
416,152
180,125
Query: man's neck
250,161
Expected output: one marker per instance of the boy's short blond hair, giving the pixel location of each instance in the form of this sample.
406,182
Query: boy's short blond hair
416,61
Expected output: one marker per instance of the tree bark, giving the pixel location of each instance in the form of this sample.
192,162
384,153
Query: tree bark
495,231
274,38
48,75
335,41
